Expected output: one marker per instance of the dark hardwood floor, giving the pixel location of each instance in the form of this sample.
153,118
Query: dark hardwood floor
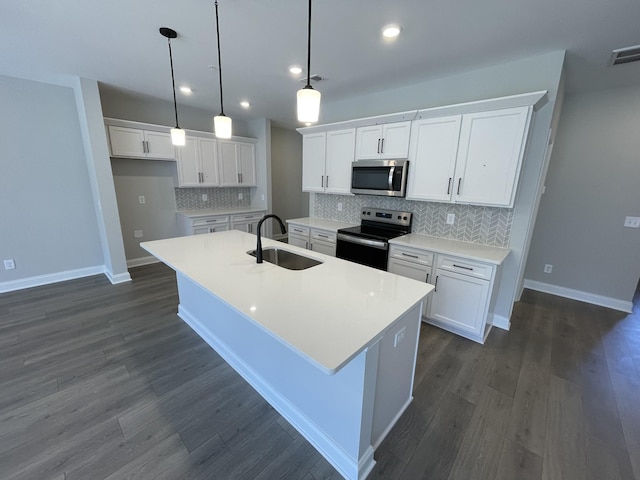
101,381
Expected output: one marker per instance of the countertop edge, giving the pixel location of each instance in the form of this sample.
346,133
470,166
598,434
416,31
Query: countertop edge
404,241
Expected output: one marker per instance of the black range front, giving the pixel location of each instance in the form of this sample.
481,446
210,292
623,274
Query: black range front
368,243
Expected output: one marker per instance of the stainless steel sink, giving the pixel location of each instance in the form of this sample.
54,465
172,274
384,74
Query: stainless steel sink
286,259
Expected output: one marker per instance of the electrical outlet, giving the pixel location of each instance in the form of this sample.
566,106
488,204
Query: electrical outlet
262,197
339,206
240,196
9,264
137,233
451,218
632,222
205,197
399,336
548,268
142,200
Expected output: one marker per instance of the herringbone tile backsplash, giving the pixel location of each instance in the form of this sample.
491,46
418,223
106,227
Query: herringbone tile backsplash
191,198
482,225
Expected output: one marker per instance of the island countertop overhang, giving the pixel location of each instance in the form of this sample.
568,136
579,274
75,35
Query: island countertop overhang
327,314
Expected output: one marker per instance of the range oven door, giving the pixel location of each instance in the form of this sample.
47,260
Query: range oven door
364,251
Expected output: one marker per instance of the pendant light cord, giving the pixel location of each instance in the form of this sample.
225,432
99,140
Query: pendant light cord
173,83
219,60
309,50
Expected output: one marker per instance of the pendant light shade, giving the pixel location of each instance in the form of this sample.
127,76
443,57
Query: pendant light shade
222,126
177,134
308,97
221,123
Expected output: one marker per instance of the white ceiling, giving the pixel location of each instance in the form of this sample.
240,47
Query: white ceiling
117,43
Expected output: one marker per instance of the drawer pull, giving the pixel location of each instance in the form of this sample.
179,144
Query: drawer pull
296,230
436,284
323,236
449,186
459,184
409,255
463,267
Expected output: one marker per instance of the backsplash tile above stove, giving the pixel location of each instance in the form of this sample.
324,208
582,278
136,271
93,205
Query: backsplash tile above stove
482,225
191,198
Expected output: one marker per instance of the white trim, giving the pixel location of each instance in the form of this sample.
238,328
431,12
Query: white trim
501,322
138,262
609,302
327,448
39,280
119,278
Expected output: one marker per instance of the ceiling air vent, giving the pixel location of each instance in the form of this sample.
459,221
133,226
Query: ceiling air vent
625,55
317,78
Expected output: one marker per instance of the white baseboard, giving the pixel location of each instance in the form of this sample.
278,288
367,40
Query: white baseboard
614,303
39,280
138,262
501,322
119,278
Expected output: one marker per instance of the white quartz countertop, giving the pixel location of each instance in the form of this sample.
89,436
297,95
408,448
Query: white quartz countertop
218,211
328,313
471,251
321,223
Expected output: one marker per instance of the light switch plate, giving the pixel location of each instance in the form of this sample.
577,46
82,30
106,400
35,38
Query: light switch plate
632,222
137,233
205,197
339,206
9,264
141,200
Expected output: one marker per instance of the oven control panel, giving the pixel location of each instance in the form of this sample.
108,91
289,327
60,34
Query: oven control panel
393,217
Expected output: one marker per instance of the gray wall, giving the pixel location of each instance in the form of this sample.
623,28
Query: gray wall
46,205
527,75
289,201
591,186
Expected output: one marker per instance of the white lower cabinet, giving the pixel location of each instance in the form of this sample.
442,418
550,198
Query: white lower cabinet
200,225
298,236
463,292
247,222
316,239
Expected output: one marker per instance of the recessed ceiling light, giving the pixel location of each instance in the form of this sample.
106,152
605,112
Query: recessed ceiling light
295,70
186,90
245,104
391,31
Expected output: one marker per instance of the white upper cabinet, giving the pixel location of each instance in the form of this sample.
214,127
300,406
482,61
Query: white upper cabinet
472,158
490,156
136,143
326,161
197,165
386,141
237,163
432,158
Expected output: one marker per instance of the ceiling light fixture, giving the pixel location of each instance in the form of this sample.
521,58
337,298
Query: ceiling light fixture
391,31
245,104
177,134
308,98
295,70
221,123
186,90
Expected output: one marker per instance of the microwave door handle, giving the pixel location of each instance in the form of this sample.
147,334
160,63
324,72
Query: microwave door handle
391,172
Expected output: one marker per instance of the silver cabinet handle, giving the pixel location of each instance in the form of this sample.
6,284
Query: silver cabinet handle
449,186
382,146
378,150
327,181
436,285
323,236
408,255
322,181
459,183
462,266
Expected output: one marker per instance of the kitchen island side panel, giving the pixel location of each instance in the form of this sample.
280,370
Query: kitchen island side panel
334,412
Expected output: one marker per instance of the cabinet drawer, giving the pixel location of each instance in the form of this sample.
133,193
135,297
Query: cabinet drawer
323,236
210,229
247,217
210,221
465,267
299,230
410,255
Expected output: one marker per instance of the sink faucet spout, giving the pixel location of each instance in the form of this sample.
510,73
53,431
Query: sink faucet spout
259,245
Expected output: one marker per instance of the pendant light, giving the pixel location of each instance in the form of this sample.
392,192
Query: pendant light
177,134
308,97
221,123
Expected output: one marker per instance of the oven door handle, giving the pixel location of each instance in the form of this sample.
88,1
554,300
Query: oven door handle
379,244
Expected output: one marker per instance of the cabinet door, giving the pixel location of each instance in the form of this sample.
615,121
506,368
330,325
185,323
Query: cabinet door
323,247
490,156
188,164
246,226
422,273
126,142
246,161
341,146
207,149
432,157
313,159
460,301
159,146
395,140
227,163
298,241
368,140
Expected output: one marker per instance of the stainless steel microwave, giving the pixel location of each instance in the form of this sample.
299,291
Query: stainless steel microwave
379,177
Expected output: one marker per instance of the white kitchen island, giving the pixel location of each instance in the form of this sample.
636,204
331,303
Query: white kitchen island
332,347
